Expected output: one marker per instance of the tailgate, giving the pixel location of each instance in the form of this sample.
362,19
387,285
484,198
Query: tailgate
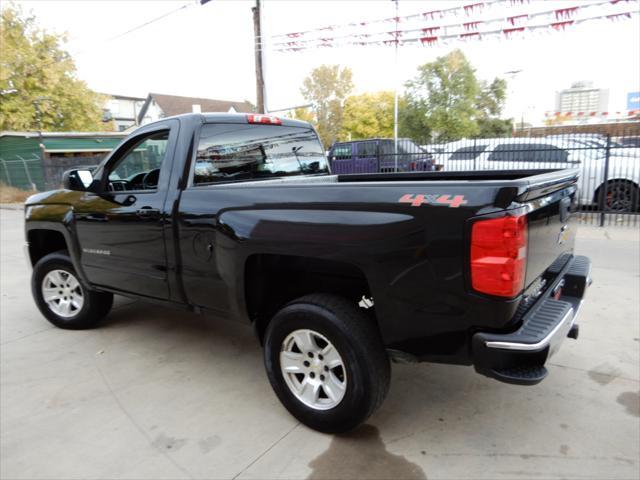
550,201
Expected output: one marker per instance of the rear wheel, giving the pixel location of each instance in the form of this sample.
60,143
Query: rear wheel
326,362
620,196
62,298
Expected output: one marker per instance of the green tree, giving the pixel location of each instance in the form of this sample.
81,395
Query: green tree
446,101
413,121
445,92
303,114
326,88
368,115
37,73
490,102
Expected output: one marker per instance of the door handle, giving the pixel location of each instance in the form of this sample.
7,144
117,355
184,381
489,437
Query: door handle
148,212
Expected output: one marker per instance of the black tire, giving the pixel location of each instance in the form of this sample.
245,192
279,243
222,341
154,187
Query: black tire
96,305
621,196
357,340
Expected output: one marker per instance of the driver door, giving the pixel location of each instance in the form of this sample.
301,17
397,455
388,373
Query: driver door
121,226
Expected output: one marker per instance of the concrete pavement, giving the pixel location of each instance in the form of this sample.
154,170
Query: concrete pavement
157,393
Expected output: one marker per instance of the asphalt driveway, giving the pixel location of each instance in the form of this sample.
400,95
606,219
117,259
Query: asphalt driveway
157,393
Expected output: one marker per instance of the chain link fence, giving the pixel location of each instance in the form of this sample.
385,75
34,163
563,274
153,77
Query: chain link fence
30,173
20,172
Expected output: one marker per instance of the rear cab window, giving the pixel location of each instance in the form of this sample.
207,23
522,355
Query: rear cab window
240,152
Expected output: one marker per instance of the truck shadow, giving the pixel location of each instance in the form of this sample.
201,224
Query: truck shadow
362,454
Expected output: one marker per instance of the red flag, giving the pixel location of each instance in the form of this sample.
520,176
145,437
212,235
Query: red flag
432,14
430,31
618,16
565,12
468,9
471,25
517,18
510,31
428,40
561,25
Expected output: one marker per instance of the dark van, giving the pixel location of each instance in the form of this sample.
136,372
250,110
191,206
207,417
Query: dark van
378,155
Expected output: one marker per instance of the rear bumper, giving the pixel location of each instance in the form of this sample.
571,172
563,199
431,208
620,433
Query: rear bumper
519,357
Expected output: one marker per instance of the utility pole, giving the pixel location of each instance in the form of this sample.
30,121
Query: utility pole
395,103
259,54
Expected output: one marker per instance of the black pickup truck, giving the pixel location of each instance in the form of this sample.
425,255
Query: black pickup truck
239,216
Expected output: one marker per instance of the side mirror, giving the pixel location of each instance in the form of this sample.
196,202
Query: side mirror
79,180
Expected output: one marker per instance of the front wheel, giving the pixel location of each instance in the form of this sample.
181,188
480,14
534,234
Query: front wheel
326,362
62,298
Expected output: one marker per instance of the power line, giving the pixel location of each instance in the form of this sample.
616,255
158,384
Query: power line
187,5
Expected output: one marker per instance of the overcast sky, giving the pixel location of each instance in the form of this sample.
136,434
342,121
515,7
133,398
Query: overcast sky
207,50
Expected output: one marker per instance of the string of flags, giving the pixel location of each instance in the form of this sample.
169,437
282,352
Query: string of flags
627,113
470,29
433,14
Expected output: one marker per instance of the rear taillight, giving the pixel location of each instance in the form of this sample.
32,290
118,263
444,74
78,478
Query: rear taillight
264,119
499,255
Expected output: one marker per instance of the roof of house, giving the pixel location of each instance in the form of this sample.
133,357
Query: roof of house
8,133
176,105
123,97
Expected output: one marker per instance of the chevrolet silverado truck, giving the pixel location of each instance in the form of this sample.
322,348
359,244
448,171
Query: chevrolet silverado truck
239,216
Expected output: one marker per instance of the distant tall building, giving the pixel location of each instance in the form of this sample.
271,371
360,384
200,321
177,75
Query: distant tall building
582,97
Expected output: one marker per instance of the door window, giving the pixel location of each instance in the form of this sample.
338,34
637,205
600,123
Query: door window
139,167
529,152
367,149
468,153
341,152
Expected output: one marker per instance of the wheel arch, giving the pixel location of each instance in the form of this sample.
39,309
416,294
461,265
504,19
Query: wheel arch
50,227
44,241
613,181
273,280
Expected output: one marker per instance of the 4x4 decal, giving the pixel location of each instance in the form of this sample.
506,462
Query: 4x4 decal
453,201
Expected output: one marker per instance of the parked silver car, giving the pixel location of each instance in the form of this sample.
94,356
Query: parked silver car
621,178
